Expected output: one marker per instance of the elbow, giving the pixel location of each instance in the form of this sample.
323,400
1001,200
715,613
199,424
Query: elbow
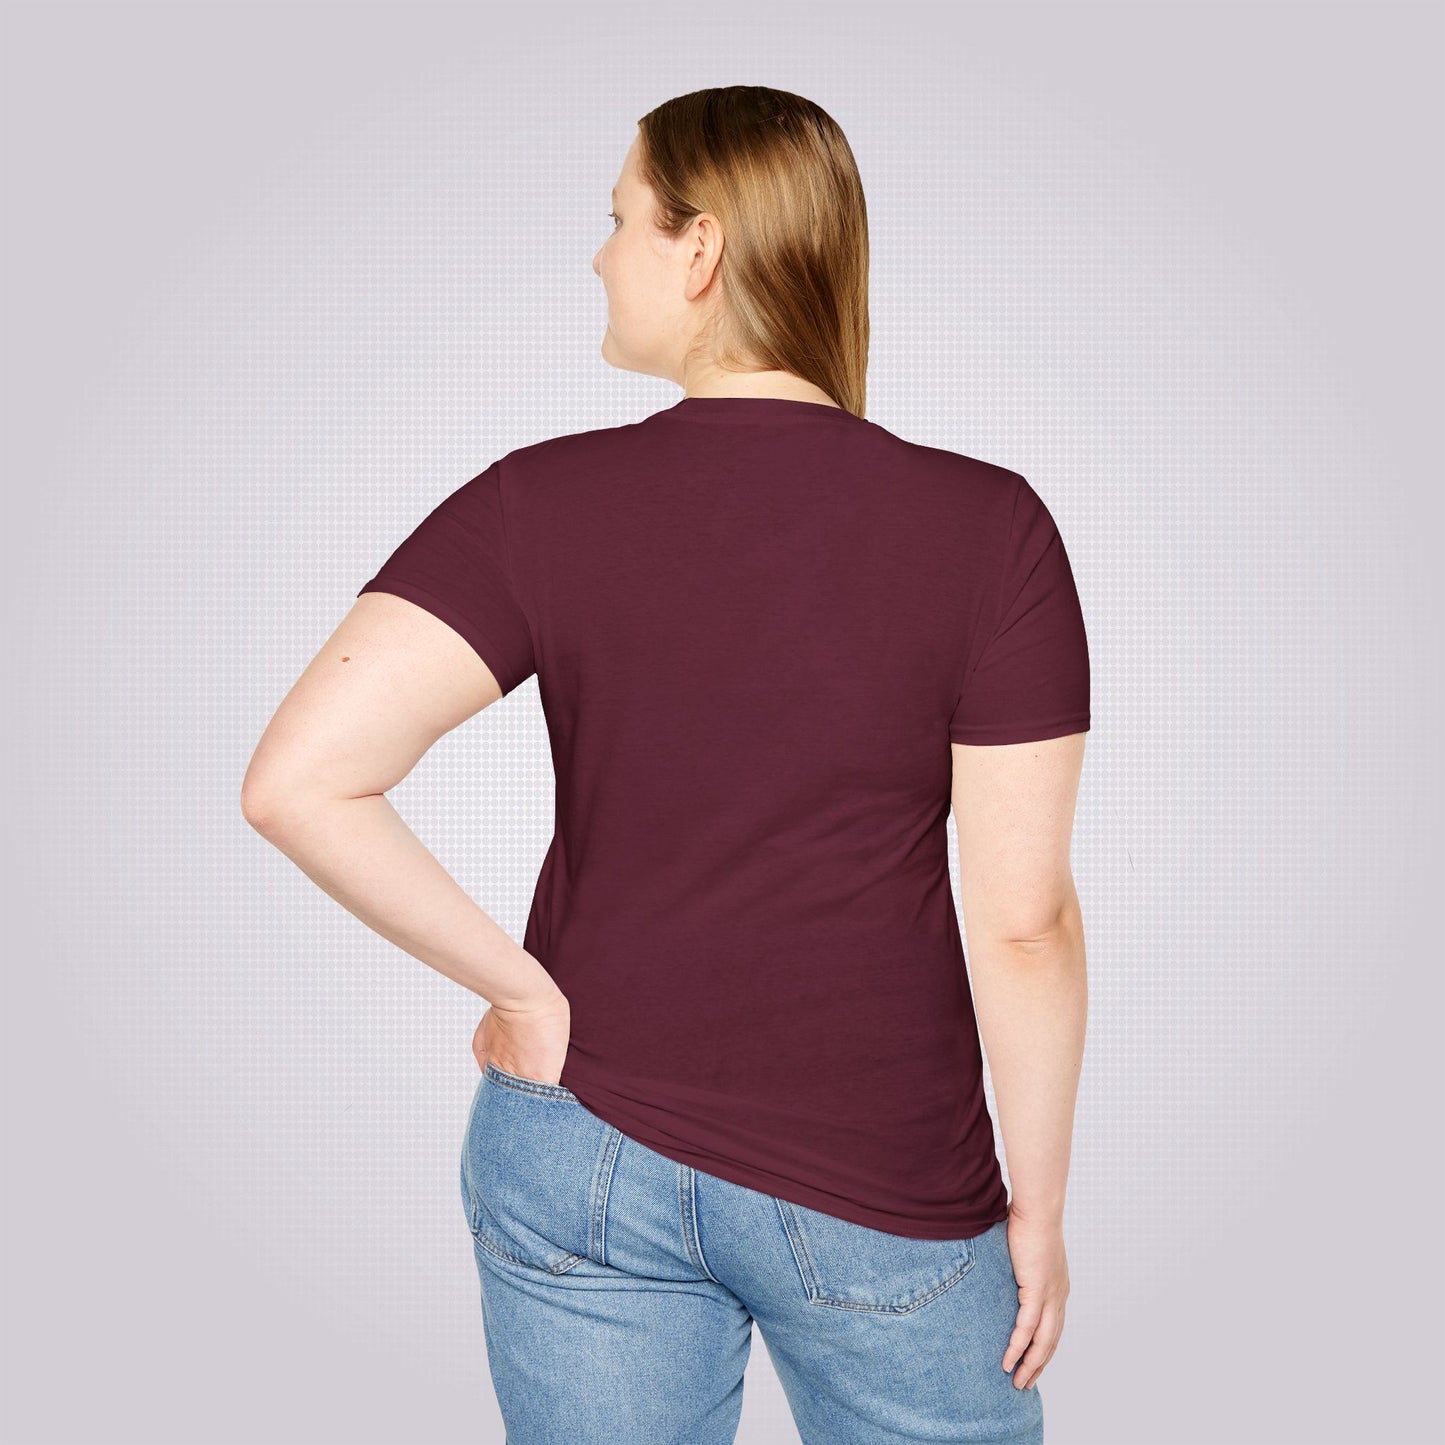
265,800
1045,943
275,808
277,788
260,809
257,793
1039,931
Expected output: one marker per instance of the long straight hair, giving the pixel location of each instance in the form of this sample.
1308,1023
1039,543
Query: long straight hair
779,174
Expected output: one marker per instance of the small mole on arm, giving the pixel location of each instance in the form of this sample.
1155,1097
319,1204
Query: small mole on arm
346,659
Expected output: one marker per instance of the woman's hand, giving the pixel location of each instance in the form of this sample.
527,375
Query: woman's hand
1036,1247
530,1042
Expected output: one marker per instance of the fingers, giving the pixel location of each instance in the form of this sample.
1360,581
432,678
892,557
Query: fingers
1023,1333
479,1040
1032,1344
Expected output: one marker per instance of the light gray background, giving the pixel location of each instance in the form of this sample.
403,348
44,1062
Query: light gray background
278,279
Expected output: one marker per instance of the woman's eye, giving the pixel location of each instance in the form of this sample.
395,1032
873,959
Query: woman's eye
616,219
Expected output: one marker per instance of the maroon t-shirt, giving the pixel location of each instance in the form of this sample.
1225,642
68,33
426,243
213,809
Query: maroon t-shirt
756,626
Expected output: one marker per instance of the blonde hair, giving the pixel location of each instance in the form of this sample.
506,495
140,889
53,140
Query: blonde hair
779,174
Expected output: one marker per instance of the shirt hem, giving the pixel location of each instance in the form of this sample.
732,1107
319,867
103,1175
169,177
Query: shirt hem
766,1182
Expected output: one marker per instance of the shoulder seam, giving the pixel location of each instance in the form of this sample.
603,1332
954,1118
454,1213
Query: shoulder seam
526,610
976,651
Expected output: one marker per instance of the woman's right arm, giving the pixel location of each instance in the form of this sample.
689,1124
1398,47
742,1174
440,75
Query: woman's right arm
388,683
1013,806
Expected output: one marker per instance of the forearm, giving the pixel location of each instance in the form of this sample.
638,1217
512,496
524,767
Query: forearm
360,852
1031,999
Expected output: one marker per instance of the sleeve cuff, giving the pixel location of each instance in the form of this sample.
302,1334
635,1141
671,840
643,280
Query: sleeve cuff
1019,732
462,625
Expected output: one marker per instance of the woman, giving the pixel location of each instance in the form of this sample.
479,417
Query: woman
734,1074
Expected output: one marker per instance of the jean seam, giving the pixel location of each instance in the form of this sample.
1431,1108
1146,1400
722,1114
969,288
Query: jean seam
567,1262
687,1207
813,1284
799,1251
601,1193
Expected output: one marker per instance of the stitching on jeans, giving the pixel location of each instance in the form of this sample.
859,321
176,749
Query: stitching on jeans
478,1209
794,1246
481,1214
812,1281
601,1192
530,1086
902,1309
492,1247
687,1198
799,1242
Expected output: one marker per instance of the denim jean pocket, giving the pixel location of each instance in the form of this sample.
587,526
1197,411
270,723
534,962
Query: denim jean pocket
854,1267
528,1086
530,1168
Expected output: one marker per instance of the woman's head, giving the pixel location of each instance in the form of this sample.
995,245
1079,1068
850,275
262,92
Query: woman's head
740,243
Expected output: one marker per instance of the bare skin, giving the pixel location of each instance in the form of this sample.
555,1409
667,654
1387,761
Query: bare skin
529,1042
1013,806
392,679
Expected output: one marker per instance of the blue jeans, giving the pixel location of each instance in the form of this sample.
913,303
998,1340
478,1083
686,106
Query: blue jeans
619,1290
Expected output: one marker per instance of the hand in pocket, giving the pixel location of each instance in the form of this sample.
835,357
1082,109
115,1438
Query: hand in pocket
530,1042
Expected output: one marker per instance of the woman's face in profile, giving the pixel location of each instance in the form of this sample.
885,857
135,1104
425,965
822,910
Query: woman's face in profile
644,274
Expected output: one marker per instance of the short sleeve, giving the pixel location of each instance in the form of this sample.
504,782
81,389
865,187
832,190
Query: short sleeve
1030,679
456,565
